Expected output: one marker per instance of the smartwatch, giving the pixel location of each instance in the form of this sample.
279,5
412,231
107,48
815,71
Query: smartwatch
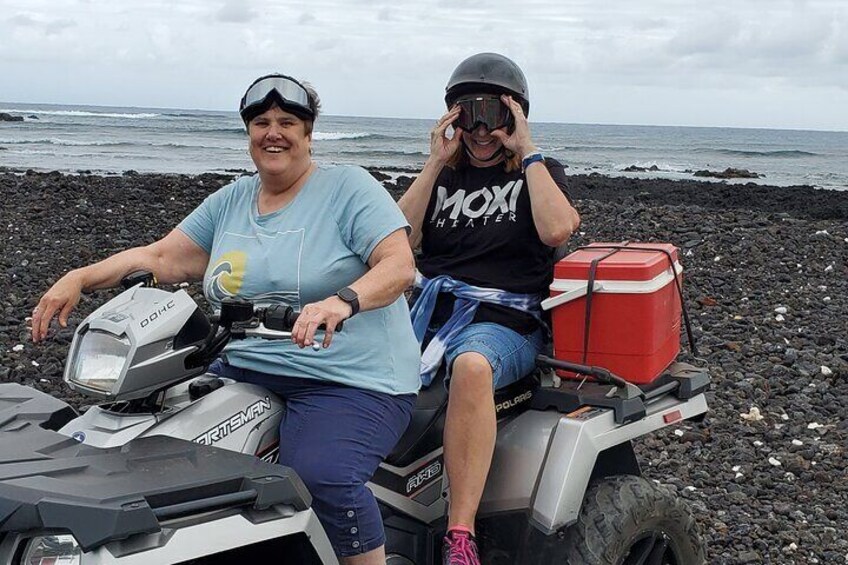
349,295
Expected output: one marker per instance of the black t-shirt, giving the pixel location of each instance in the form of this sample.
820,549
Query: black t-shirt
479,229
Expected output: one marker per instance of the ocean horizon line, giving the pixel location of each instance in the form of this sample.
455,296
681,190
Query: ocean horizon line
165,109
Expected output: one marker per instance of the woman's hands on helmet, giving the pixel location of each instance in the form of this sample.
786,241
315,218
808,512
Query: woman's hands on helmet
442,147
519,141
61,298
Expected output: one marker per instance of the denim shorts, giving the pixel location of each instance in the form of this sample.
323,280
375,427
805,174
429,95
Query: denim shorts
511,355
335,437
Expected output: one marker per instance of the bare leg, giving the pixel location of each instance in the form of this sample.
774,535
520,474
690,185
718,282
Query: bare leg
373,557
470,430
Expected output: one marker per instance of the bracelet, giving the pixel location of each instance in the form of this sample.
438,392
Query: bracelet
530,158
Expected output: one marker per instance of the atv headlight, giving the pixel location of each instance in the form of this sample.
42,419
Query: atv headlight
99,360
53,550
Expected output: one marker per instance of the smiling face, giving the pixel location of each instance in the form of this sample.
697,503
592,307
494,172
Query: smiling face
482,146
279,143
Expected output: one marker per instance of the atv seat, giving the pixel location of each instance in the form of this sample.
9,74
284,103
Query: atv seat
424,434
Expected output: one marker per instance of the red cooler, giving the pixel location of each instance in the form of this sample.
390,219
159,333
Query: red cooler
634,319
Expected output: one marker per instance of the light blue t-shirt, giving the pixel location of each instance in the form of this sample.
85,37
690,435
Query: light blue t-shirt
304,252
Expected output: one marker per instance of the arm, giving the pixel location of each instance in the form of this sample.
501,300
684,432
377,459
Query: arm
392,270
174,258
413,203
553,215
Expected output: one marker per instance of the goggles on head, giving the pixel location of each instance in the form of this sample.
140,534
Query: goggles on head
486,109
285,91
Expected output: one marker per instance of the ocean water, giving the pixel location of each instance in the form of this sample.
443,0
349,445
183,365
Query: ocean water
113,140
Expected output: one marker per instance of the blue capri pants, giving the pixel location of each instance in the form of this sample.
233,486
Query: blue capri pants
335,437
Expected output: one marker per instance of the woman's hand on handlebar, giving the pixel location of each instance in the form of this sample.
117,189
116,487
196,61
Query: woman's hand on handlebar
61,298
328,312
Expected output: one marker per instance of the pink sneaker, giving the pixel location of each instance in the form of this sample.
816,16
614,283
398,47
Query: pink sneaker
459,548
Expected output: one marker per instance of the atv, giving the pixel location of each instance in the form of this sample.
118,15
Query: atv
179,466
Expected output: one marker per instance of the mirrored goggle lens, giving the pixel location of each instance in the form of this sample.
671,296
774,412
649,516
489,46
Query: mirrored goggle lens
290,91
486,110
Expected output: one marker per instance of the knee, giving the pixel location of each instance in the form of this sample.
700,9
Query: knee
471,372
319,474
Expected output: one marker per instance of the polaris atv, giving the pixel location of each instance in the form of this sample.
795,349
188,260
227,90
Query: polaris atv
178,466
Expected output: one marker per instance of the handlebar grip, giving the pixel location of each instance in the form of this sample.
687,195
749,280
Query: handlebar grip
279,317
282,318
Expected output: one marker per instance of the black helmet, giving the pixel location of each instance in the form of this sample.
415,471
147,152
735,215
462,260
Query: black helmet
488,73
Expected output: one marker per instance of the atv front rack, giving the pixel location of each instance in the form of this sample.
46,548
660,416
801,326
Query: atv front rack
627,400
50,482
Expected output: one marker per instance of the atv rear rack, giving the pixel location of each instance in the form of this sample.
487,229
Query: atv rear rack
627,400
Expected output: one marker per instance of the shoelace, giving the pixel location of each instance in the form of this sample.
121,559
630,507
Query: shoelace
462,550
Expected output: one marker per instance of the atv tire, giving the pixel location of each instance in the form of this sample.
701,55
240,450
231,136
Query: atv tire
627,520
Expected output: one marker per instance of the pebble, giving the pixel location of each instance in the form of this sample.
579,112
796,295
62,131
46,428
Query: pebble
18,347
753,415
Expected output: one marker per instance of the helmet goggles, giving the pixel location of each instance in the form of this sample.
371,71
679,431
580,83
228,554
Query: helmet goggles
485,109
289,94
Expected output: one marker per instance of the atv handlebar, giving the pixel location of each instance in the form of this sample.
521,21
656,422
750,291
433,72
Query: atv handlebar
277,317
239,319
282,318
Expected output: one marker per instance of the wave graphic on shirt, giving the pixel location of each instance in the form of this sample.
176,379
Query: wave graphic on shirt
227,276
287,297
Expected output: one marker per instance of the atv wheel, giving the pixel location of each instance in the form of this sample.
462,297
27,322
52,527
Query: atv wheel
627,520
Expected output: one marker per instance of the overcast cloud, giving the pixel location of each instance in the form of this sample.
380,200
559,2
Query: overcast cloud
749,63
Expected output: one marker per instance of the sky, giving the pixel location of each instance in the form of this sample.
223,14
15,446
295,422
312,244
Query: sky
733,63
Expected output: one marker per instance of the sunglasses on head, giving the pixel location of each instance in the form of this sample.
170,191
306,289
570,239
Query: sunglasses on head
287,92
485,109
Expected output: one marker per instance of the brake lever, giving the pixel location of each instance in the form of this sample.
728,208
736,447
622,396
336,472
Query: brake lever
261,331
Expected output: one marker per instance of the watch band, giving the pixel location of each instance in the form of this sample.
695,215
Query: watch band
349,295
530,158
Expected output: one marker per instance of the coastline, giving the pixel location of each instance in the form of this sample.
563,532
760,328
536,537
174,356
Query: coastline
766,280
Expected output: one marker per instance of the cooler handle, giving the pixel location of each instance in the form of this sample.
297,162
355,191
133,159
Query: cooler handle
568,296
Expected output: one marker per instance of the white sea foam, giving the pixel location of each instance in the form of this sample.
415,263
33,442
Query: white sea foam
662,167
117,143
82,113
55,141
335,135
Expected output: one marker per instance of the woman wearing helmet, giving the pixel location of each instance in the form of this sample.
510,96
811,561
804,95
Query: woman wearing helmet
330,242
488,209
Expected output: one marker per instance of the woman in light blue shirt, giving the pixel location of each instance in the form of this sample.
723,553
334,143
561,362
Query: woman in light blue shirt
330,242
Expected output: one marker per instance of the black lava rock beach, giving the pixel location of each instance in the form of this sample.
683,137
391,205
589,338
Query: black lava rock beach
767,288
